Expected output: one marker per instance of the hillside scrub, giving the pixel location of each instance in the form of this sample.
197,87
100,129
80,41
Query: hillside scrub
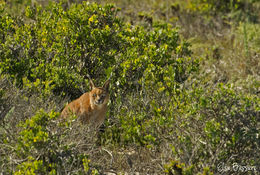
167,114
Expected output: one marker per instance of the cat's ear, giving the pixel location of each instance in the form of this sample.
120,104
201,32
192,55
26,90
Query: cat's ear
106,85
92,85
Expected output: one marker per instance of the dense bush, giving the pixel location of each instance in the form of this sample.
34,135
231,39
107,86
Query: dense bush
43,147
58,53
221,125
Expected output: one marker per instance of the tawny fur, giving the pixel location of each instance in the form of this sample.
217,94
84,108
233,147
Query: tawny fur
91,107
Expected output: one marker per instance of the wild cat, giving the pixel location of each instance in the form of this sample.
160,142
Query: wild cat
91,107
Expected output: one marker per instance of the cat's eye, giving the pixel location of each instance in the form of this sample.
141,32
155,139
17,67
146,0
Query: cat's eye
94,95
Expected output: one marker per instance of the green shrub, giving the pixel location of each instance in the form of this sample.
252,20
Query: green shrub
54,48
218,125
56,53
43,145
175,167
203,125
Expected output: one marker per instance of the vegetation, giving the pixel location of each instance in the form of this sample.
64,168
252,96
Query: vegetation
184,90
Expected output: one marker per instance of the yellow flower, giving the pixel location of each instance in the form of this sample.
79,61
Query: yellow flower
92,18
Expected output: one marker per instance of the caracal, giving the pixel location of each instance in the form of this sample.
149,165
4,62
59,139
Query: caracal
91,107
